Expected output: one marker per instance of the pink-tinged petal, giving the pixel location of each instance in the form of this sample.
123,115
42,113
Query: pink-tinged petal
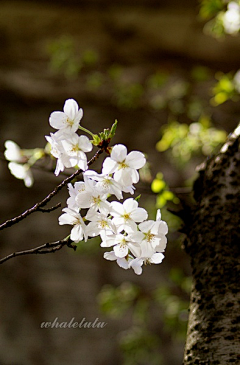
119,152
139,215
120,251
56,120
135,159
71,108
109,166
157,258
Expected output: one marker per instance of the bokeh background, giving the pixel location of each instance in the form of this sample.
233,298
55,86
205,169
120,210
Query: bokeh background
145,63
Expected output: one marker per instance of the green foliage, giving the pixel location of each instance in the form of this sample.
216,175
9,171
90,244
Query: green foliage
64,57
225,88
140,347
210,8
174,298
128,95
164,195
222,15
186,140
139,344
115,301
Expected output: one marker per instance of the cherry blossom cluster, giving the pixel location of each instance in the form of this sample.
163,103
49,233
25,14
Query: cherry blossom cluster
94,207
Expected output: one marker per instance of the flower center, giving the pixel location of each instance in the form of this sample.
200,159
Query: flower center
102,224
96,200
75,148
69,121
123,243
122,165
149,237
126,216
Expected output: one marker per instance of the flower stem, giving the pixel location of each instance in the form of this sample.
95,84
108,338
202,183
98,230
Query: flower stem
86,130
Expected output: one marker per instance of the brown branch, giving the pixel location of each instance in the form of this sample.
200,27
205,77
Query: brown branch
38,206
48,210
43,249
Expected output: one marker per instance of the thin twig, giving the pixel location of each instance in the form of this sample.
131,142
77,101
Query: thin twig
38,206
48,210
43,249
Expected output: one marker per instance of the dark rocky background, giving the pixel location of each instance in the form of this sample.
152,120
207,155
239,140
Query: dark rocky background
141,36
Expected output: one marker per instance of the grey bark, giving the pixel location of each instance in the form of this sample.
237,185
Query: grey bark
213,243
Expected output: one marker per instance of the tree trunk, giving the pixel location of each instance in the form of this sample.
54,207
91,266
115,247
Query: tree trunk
213,243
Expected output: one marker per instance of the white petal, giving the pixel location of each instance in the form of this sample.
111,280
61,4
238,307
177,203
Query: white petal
85,144
110,256
136,264
109,166
12,152
65,219
158,215
162,244
139,215
146,226
130,204
77,233
157,258
123,263
120,251
56,120
135,159
163,228
117,209
119,152
71,108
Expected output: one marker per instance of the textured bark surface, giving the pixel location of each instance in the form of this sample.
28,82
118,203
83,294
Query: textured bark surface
214,247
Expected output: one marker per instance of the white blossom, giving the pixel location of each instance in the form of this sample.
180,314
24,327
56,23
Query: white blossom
69,119
231,18
78,187
74,147
123,165
13,152
126,214
93,198
122,244
22,172
99,224
74,218
136,264
105,183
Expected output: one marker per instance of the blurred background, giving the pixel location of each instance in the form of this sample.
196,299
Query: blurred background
168,72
